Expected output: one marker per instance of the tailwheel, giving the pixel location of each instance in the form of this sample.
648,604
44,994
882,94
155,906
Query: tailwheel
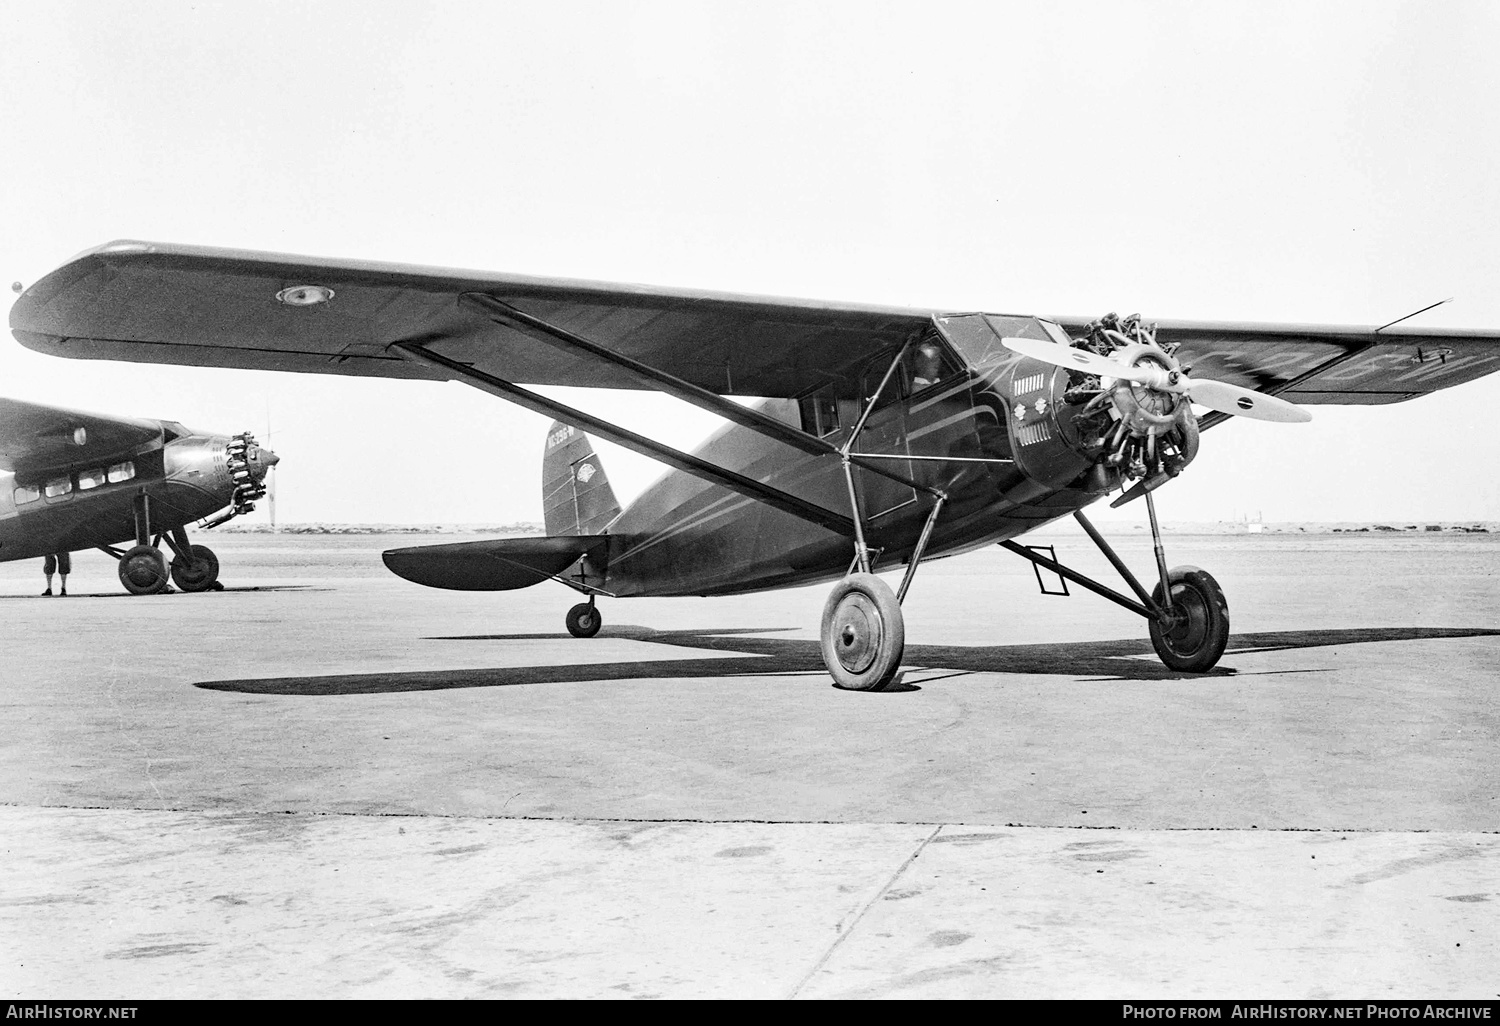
199,573
143,570
584,620
1195,637
864,634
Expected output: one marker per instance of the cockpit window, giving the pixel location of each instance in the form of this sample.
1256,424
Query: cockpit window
121,472
58,487
930,363
25,493
90,479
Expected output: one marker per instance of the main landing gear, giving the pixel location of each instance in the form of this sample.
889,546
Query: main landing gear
1186,613
144,569
863,632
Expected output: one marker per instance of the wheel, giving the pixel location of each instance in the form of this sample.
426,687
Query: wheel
584,621
864,633
199,575
143,570
1196,639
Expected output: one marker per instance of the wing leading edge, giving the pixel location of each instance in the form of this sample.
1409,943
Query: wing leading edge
201,306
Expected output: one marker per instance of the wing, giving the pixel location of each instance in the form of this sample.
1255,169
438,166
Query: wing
35,438
197,306
1328,363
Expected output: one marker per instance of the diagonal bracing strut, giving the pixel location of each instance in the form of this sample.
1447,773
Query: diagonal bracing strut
669,384
773,497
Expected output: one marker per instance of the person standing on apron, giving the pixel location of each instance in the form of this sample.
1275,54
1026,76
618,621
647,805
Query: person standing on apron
61,564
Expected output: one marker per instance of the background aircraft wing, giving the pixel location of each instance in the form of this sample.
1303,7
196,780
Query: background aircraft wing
36,438
204,307
1328,363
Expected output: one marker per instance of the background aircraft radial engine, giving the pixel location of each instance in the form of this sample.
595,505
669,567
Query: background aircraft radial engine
71,480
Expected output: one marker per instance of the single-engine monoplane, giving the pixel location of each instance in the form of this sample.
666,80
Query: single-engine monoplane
883,436
71,480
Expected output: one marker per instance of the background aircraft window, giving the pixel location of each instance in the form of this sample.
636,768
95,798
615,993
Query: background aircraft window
90,479
58,486
25,494
121,472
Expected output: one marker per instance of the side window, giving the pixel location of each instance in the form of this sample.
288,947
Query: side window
898,388
90,479
820,414
27,494
58,487
121,472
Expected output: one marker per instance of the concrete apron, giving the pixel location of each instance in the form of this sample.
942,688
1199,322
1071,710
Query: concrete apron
144,904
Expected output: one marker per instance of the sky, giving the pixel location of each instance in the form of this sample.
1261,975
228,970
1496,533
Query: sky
1299,162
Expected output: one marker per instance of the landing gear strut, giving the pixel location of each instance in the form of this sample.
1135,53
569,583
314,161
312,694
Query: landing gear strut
1186,612
863,633
143,567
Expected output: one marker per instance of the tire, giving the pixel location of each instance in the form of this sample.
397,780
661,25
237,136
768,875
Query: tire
584,621
199,575
863,634
1197,640
143,570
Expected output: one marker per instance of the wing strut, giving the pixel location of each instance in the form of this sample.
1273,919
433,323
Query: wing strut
774,497
660,381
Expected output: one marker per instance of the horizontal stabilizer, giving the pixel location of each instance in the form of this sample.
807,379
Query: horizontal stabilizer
499,564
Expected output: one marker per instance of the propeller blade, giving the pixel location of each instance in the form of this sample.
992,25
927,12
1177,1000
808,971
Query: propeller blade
1079,360
1242,402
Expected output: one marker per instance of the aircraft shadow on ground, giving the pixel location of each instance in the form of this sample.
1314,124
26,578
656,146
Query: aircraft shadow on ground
755,654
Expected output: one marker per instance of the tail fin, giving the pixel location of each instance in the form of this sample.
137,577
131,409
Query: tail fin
576,496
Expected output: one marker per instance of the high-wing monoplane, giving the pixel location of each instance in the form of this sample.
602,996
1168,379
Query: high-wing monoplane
884,436
71,480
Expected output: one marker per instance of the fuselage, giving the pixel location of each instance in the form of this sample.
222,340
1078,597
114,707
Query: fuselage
686,536
92,502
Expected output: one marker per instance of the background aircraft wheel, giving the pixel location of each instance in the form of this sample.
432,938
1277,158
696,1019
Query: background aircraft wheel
584,621
864,633
143,570
1196,640
200,574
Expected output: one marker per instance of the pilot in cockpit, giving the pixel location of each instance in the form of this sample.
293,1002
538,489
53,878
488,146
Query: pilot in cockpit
927,367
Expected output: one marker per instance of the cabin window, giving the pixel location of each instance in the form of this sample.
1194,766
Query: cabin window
90,479
820,414
25,493
121,472
58,486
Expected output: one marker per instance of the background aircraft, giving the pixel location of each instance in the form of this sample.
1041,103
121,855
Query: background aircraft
886,435
74,480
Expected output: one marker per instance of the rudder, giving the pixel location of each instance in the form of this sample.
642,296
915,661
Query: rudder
576,495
